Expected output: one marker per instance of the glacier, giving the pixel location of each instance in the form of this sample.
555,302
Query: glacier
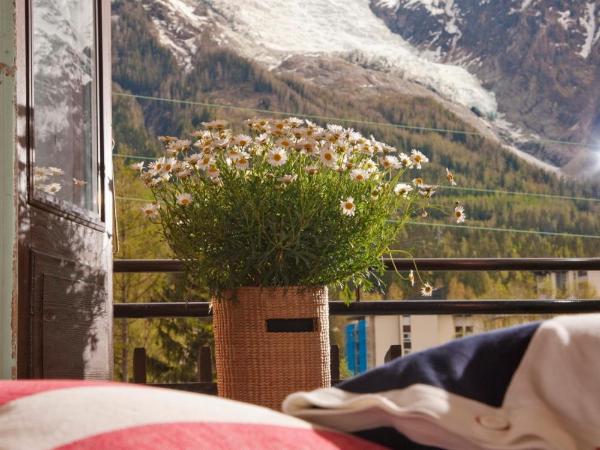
269,31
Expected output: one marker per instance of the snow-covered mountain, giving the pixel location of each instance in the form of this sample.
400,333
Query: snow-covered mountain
540,57
518,69
270,31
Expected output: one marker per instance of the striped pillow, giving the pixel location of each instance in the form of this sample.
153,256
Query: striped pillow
44,414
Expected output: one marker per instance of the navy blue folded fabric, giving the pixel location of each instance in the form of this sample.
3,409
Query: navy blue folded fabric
528,387
478,367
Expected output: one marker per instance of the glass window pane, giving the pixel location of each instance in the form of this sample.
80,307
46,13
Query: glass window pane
64,102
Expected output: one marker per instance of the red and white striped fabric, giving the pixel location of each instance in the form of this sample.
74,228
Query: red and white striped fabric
95,415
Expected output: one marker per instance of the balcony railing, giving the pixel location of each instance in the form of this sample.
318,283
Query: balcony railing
392,307
204,382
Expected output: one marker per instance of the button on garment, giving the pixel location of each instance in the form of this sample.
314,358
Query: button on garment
493,422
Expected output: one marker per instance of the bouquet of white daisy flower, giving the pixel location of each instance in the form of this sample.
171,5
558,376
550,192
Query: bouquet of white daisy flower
289,204
271,218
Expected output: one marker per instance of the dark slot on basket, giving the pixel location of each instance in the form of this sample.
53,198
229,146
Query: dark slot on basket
291,325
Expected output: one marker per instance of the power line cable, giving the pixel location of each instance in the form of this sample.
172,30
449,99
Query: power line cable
506,230
445,225
327,118
147,158
527,194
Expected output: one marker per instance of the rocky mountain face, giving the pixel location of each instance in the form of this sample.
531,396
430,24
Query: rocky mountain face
540,57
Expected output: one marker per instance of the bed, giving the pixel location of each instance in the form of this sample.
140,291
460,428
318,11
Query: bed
535,386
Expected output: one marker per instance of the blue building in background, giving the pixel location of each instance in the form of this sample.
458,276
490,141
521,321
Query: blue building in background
356,346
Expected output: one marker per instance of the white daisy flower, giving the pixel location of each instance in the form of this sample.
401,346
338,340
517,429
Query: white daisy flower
183,173
418,181
328,157
359,175
213,171
146,177
215,125
308,145
277,156
389,162
184,199
405,161
166,139
459,213
376,193
377,146
51,188
333,137
285,143
348,206
169,165
354,137
403,189
161,178
233,154
427,190
206,161
199,134
41,173
426,290
262,138
257,124
418,158
138,166
366,148
243,162
54,171
287,179
157,166
193,160
150,210
221,143
298,133
175,147
279,126
369,165
242,140
294,121
450,177
311,170
317,133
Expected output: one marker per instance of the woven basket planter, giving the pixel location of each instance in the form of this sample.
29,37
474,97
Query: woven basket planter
271,342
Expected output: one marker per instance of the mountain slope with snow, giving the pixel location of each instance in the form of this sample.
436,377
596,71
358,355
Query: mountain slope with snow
269,31
540,57
528,67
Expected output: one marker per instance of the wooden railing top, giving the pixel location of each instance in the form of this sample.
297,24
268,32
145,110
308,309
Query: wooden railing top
391,307
403,264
